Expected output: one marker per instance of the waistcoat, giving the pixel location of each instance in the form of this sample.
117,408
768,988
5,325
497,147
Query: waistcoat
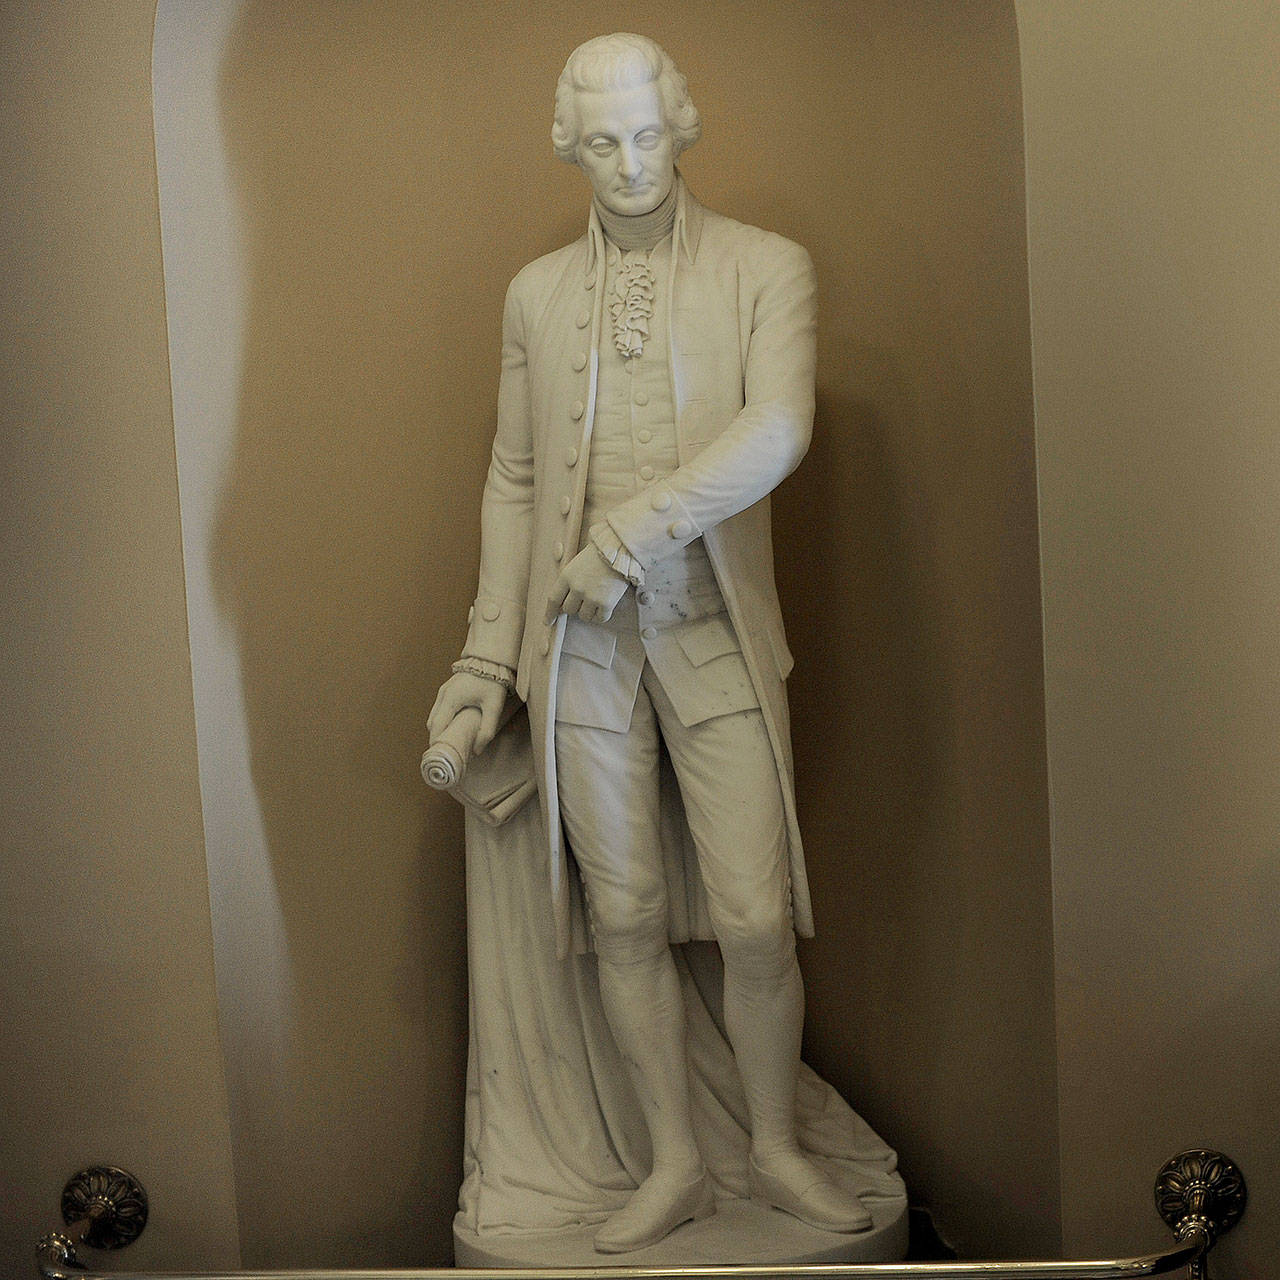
677,621
634,444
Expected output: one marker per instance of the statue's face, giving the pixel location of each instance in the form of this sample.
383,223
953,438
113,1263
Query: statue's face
625,147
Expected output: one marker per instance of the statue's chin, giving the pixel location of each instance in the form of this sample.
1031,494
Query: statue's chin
632,209
637,204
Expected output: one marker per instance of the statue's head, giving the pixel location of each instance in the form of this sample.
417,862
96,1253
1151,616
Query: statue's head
623,115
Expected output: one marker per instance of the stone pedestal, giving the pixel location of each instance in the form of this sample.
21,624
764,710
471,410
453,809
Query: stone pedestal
741,1232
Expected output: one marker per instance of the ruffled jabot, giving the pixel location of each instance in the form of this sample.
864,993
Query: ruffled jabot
631,300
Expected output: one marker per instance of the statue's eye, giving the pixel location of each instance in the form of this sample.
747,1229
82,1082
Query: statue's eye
601,146
649,140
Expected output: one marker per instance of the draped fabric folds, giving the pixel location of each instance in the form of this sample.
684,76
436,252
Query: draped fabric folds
554,1138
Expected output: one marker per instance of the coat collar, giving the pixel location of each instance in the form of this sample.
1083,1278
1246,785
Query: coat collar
686,232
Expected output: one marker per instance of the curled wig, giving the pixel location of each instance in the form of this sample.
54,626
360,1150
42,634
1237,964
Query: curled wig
622,61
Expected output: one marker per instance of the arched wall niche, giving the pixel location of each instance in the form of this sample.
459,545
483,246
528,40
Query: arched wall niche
345,192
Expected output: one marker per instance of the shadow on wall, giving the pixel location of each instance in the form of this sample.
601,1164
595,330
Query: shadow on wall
333,553
385,210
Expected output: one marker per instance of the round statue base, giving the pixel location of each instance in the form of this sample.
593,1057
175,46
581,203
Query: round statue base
740,1232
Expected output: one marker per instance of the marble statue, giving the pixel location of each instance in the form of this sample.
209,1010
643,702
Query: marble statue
657,384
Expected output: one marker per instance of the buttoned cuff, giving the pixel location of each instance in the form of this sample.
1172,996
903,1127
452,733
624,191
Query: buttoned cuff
653,524
495,628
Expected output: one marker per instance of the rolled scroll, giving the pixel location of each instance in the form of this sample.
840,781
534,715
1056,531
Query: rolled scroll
446,759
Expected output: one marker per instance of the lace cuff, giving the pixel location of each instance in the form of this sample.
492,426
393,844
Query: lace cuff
498,672
611,547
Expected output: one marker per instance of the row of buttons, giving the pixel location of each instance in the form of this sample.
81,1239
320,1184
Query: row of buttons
571,454
570,461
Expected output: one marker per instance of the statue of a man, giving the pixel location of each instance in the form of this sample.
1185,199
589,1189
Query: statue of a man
657,384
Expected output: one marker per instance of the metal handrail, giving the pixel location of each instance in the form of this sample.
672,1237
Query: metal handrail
1158,1264
1200,1193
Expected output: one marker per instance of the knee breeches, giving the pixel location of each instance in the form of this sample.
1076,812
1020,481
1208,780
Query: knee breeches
728,778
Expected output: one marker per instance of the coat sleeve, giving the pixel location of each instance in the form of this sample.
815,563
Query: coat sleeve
766,440
506,513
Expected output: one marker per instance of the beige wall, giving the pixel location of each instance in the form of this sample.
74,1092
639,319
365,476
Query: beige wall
109,1050
908,565
387,171
333,412
1154,233
340,223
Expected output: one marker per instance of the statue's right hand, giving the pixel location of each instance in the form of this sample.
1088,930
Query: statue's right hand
465,690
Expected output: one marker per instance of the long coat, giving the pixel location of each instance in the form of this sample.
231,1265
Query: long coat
742,333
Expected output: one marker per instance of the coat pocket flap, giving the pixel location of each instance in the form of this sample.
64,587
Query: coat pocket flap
708,638
595,644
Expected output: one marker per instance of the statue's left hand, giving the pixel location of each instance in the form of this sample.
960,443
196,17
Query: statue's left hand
588,586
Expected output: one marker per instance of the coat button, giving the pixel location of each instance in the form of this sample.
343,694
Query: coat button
580,361
650,633
491,610
565,504
661,500
558,551
584,319
645,597
644,435
681,529
578,410
647,472
571,457
642,398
